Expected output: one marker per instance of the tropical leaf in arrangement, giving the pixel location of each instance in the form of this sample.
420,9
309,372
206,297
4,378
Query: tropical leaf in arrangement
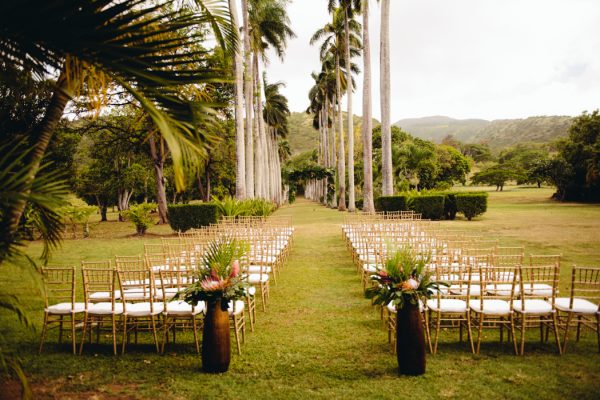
145,47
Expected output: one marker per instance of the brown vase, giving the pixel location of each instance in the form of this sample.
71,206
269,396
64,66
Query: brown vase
410,340
216,347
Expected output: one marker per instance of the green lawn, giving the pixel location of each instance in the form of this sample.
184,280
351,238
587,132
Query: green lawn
319,337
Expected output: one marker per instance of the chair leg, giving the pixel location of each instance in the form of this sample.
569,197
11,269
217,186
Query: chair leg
165,329
523,324
237,337
480,330
566,337
513,334
438,324
578,327
154,333
470,332
555,327
85,323
114,334
73,337
60,330
598,330
125,336
44,330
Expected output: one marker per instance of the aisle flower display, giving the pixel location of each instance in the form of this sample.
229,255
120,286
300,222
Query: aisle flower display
218,283
404,283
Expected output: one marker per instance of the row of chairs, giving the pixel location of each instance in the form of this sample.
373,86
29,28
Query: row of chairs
136,293
490,286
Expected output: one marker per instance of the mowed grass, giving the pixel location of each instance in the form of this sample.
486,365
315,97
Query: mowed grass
319,337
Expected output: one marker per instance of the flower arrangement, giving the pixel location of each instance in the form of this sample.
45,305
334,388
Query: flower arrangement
220,276
403,279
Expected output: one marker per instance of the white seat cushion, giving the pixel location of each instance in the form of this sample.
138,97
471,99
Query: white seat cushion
462,290
104,296
255,269
491,307
104,308
136,294
580,306
181,308
257,278
370,267
538,289
447,305
66,308
238,309
502,289
143,309
168,292
532,306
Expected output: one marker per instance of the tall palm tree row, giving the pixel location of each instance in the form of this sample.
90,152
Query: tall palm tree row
367,123
266,25
334,57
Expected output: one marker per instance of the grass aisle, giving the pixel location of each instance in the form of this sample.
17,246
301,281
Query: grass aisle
319,339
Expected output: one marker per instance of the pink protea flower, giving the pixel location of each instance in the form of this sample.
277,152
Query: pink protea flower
214,275
235,269
211,285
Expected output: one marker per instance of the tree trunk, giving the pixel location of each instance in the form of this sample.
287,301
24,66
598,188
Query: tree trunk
249,101
258,153
158,160
240,142
103,211
351,200
384,84
334,200
39,139
341,150
367,128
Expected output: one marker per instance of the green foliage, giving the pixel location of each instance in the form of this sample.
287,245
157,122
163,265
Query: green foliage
79,215
581,153
392,203
496,175
231,207
471,204
222,279
430,206
450,207
404,279
140,215
260,207
183,217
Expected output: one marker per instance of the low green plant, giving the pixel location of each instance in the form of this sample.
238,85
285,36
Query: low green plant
140,215
79,215
472,204
231,207
183,217
260,207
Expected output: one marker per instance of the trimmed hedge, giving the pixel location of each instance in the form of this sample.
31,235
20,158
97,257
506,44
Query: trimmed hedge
392,203
471,204
430,206
450,209
187,216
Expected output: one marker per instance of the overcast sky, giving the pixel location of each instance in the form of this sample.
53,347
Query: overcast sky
488,59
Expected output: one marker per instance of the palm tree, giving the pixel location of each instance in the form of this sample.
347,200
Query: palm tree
269,28
249,101
333,52
384,85
276,113
240,142
351,29
94,42
367,123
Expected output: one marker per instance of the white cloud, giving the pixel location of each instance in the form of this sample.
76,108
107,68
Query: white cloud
467,58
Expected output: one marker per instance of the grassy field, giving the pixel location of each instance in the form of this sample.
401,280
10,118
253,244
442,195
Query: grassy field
319,337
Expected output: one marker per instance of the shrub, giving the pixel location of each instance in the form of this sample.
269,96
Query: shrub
186,216
430,206
260,207
359,204
471,204
392,203
140,216
450,209
231,207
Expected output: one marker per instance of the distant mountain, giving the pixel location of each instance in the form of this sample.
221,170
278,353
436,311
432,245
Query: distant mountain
498,133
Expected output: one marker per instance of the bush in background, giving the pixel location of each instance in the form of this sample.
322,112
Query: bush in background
430,206
392,203
183,217
471,204
140,215
450,209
